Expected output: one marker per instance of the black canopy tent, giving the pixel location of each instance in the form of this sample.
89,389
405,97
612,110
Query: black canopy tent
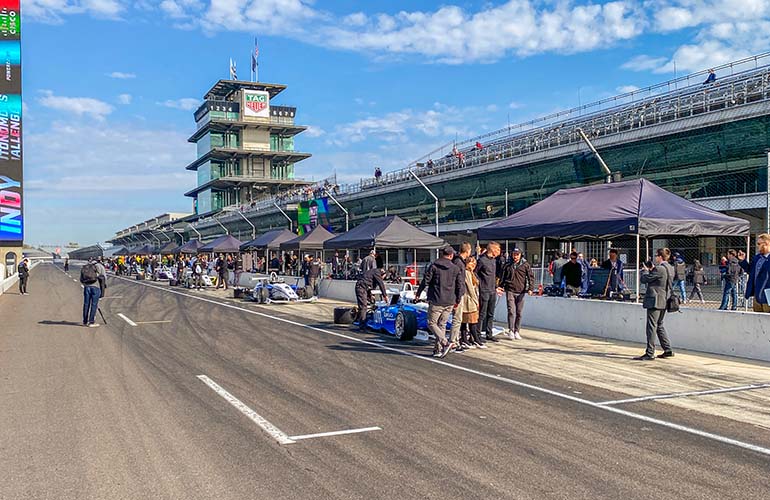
312,240
145,250
391,232
636,207
192,247
168,248
271,240
223,244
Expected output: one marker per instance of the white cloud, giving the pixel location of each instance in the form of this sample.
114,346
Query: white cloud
515,105
52,11
121,76
626,89
314,131
125,98
644,63
185,104
76,105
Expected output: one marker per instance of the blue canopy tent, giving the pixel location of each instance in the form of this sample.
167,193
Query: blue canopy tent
636,207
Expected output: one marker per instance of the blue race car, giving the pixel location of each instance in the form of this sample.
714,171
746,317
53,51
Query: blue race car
402,317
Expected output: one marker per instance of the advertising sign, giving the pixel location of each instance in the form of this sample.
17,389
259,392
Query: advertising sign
256,103
312,213
11,188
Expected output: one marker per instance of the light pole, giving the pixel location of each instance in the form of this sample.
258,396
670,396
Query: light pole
253,228
347,215
604,166
435,198
221,225
291,223
200,238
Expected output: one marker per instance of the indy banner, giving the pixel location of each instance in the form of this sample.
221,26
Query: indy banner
312,213
11,170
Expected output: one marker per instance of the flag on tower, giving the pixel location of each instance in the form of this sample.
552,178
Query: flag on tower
255,60
233,74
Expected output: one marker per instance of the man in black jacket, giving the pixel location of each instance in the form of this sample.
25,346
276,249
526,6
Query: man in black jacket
572,272
23,276
488,271
517,281
364,286
445,284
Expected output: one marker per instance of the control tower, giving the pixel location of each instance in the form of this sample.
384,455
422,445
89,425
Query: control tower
245,146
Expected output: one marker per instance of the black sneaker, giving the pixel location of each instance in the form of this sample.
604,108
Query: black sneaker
644,357
445,349
491,339
666,354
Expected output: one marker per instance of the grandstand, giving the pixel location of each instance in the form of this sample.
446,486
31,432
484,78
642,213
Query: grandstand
706,142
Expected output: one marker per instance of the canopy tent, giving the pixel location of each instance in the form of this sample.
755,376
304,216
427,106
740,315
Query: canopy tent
385,232
270,240
168,248
313,240
636,207
223,244
145,250
192,247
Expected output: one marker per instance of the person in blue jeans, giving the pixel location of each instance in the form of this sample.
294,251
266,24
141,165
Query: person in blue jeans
94,281
680,276
732,277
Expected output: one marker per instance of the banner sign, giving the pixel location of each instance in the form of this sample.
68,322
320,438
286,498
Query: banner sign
11,172
256,103
312,213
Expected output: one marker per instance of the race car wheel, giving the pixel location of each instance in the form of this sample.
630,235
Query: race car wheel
309,292
343,315
406,325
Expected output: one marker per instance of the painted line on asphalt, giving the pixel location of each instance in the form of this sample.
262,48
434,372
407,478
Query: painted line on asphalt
543,390
685,394
255,417
112,297
335,433
125,318
152,322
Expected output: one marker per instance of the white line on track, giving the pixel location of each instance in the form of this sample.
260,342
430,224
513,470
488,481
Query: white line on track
574,399
152,322
266,426
335,433
126,319
686,394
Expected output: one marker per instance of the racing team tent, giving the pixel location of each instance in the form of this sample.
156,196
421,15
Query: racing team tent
168,248
192,247
115,251
145,250
385,232
270,240
312,240
637,207
223,244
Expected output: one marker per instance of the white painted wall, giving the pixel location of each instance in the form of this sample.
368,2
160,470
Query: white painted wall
733,333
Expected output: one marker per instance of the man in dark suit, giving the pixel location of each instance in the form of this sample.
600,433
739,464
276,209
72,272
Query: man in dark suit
659,279
759,275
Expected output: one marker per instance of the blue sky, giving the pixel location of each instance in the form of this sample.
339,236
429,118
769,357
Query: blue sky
110,85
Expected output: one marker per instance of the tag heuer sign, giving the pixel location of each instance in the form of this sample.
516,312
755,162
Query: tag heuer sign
256,104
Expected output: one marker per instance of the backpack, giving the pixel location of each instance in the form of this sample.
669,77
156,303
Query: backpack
89,274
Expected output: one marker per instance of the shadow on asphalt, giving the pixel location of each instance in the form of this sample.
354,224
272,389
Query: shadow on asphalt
576,353
59,323
355,347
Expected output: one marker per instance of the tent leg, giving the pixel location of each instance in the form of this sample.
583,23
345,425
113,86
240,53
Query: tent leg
647,247
638,267
748,252
542,264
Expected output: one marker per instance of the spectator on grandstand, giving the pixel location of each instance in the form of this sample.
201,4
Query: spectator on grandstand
711,78
377,175
479,146
731,278
698,281
429,166
680,275
759,275
460,159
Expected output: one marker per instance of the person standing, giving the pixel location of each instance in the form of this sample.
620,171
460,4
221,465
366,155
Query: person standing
556,268
364,286
369,262
517,281
220,266
659,280
459,260
314,274
488,272
470,318
698,281
66,264
680,276
572,272
759,275
23,270
615,266
445,283
732,276
94,281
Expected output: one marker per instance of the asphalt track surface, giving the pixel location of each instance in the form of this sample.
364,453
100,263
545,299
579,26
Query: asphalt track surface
122,411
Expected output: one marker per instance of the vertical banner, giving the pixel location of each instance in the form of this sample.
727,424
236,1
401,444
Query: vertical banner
11,171
256,103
